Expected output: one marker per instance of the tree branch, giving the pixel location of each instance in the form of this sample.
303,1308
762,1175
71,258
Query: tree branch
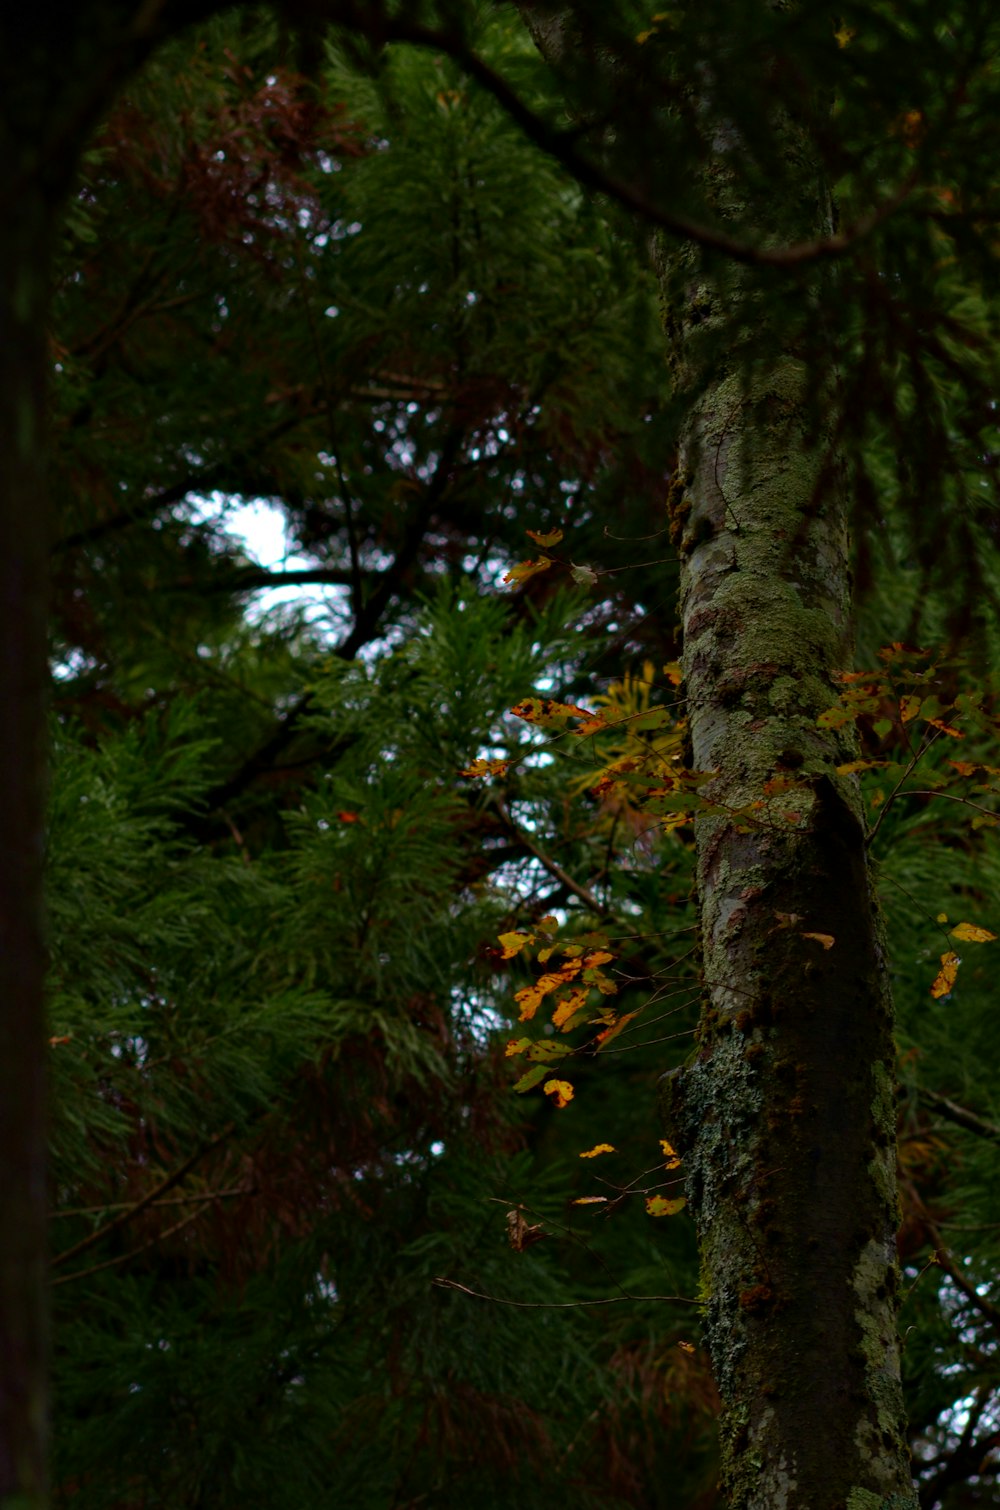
562,146
960,1115
147,1200
559,1305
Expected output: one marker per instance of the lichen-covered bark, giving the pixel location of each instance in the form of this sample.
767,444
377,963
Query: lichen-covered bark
785,1117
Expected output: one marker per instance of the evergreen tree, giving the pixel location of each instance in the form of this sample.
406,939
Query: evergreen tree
371,294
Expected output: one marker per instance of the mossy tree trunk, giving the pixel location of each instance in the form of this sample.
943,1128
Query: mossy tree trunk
786,1116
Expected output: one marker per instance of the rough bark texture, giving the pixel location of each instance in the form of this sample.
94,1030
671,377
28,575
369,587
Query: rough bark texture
786,1116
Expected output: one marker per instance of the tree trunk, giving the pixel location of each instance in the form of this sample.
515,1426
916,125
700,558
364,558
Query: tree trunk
786,1117
24,258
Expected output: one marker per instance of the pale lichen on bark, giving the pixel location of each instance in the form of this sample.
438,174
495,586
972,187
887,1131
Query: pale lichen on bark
784,1115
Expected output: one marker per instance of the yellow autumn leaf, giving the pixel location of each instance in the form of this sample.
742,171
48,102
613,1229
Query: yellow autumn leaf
909,707
513,943
568,1006
590,1200
945,977
826,939
592,1153
853,766
942,917
516,1046
529,999
673,673
660,1205
560,1090
969,933
670,1153
553,537
686,1347
525,569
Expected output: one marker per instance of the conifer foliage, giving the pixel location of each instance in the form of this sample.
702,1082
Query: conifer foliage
373,918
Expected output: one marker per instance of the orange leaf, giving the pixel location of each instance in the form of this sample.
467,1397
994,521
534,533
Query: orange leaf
659,1205
348,817
603,1039
853,766
529,1000
526,569
60,1038
560,1090
592,1153
568,1006
945,978
599,957
486,768
593,725
969,933
939,723
589,1200
826,939
543,710
553,537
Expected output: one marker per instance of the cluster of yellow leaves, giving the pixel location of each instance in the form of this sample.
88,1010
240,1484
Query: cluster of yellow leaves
879,694
966,933
587,967
903,705
577,973
661,1205
656,1205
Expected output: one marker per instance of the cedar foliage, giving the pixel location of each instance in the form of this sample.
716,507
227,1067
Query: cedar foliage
274,900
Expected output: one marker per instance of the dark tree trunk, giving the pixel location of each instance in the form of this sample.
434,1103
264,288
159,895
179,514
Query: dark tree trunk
24,256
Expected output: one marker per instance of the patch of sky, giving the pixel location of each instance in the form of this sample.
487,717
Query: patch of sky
259,528
74,663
